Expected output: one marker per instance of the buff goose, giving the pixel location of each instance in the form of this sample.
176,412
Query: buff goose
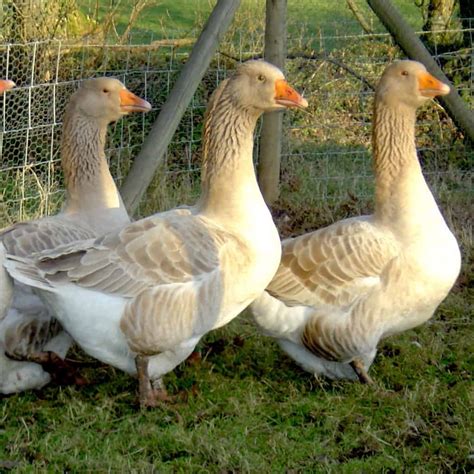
340,289
92,207
141,298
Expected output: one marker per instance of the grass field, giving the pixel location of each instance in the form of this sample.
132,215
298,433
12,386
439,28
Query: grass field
182,18
244,406
251,409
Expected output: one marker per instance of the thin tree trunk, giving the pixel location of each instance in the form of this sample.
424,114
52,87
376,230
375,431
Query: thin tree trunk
359,16
439,13
439,18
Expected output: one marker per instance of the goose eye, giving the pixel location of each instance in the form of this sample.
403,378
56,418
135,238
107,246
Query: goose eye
105,91
261,78
404,73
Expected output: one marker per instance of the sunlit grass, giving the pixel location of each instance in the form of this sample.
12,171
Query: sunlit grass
250,408
179,18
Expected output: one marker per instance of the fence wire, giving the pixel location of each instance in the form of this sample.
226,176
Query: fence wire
326,150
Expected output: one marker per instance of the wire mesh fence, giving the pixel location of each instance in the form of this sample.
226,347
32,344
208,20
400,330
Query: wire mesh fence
326,150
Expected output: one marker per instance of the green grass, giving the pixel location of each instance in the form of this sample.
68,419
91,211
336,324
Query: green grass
165,19
251,409
179,18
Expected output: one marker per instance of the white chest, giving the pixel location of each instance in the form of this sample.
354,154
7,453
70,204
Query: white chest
435,260
93,321
419,281
265,248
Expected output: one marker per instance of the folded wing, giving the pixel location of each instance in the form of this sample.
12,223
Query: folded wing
333,266
27,238
174,271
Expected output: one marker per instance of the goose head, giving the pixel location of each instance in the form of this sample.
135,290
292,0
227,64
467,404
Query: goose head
6,85
410,83
260,86
107,99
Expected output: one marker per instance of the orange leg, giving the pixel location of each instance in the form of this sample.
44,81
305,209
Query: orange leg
149,396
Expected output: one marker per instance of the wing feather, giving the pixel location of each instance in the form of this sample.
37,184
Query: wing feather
334,265
156,251
174,270
27,238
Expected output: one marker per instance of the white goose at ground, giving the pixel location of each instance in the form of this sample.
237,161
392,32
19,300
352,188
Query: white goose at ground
341,289
140,299
92,207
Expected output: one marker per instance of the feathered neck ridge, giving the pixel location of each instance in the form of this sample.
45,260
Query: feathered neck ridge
82,148
228,133
394,150
89,184
393,136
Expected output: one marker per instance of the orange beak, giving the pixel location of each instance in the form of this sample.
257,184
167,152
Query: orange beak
130,102
6,85
429,86
287,96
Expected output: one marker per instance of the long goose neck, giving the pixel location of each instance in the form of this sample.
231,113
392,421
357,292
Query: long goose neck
227,170
89,184
400,191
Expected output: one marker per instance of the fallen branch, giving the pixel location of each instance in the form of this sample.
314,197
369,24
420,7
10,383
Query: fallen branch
359,17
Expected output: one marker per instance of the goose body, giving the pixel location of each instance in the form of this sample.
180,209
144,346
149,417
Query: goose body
141,299
341,289
92,207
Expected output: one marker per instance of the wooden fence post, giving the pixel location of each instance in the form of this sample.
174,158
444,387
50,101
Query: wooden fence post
155,145
407,39
270,138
